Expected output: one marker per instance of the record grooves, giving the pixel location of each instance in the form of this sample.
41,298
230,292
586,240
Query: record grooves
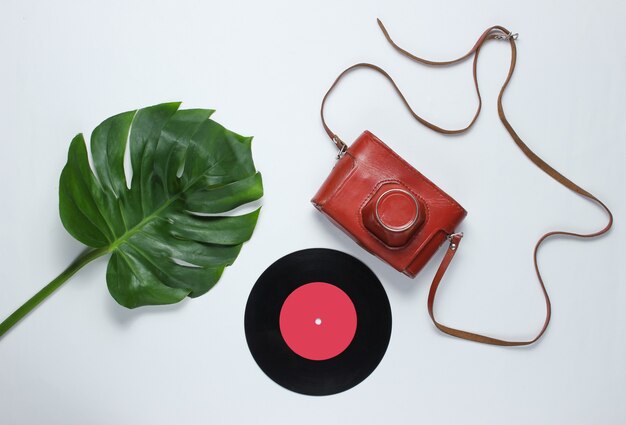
335,314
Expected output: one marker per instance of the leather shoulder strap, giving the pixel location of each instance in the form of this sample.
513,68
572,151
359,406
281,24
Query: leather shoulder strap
498,33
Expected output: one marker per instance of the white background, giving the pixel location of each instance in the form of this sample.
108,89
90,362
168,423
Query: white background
264,65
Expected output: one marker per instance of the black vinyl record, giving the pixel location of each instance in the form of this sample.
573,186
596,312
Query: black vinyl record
318,355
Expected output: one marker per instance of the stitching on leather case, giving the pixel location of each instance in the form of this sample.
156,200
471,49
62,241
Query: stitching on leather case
426,242
349,174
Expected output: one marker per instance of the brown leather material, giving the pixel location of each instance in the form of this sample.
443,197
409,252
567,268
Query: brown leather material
495,32
355,184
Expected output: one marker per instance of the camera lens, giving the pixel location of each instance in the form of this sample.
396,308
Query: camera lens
397,210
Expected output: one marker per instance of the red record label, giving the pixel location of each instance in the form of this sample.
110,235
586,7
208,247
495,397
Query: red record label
318,321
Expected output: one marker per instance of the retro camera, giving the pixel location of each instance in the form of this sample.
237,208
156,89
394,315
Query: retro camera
387,206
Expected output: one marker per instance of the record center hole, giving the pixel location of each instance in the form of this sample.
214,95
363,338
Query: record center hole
318,321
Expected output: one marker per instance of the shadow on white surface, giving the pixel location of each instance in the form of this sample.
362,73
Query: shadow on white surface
125,316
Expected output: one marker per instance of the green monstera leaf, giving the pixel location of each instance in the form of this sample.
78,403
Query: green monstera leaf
164,229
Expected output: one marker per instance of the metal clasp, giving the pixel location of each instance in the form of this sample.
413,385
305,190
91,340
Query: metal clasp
451,237
342,150
508,36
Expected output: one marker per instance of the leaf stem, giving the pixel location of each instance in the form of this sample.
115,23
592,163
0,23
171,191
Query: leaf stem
47,290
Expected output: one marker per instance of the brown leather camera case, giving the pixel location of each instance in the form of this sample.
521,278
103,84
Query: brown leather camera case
351,189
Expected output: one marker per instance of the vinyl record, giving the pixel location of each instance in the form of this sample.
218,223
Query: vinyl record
318,321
